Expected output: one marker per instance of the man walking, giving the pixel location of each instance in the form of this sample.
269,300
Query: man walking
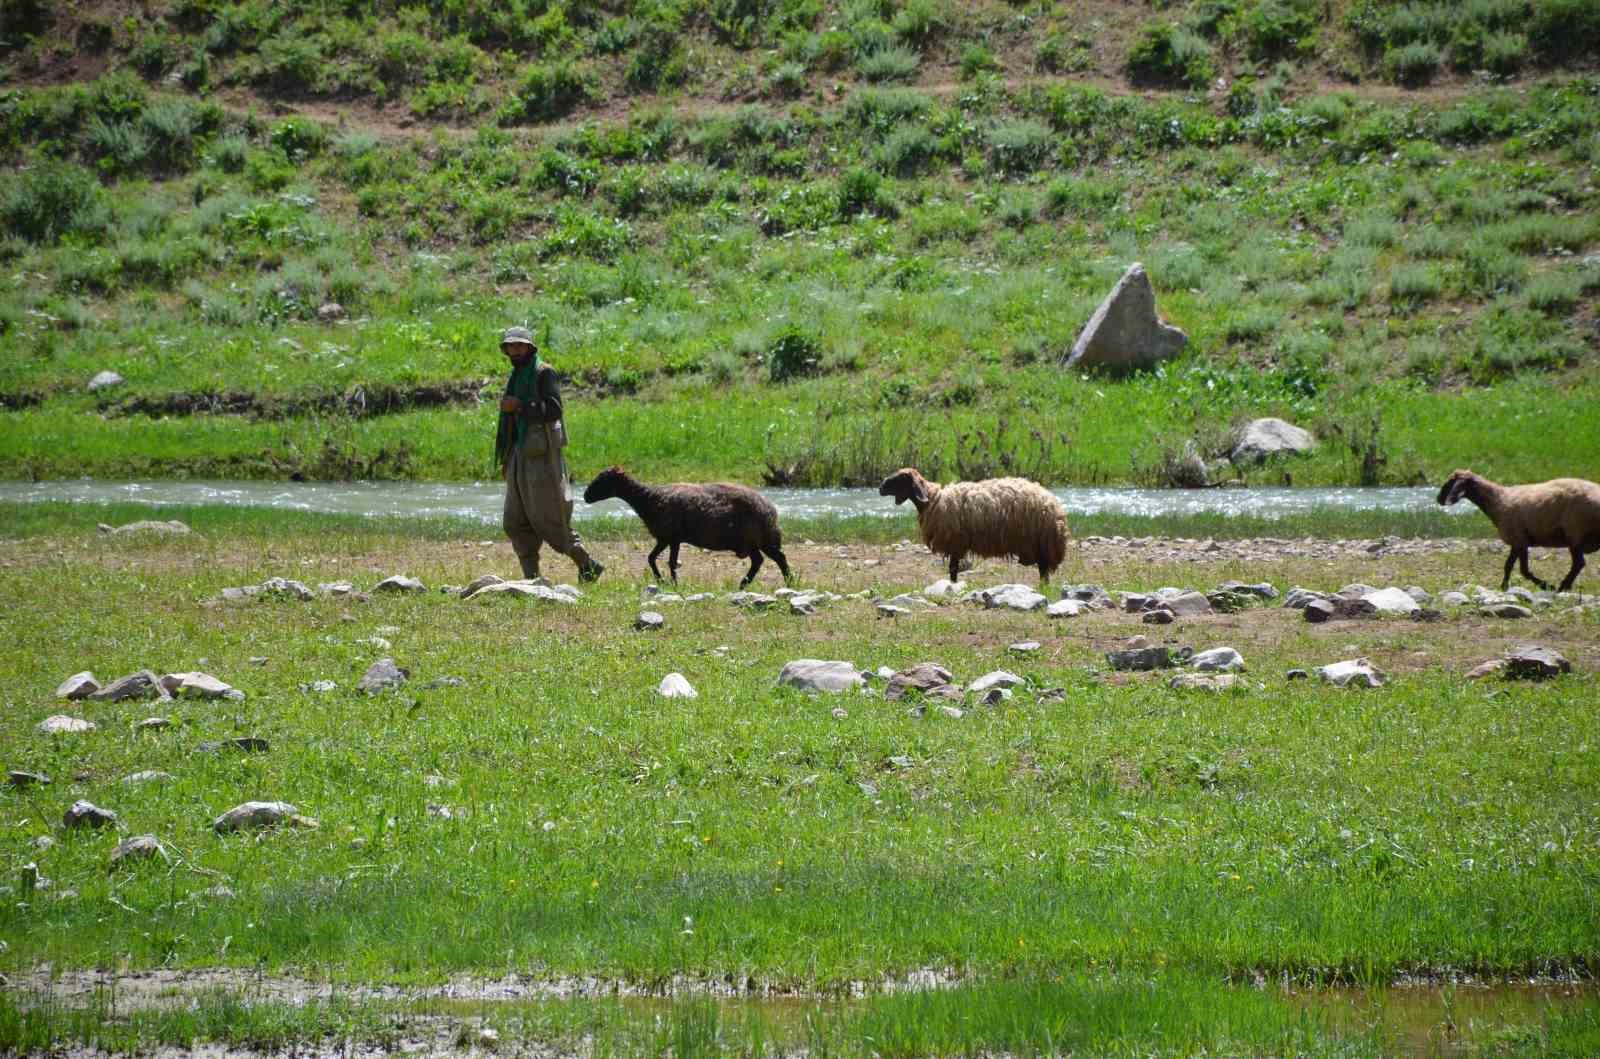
528,446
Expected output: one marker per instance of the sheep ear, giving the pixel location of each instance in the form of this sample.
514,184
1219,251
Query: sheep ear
919,490
1458,489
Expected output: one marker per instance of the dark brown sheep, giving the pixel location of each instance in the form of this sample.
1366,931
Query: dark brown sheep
1560,513
721,517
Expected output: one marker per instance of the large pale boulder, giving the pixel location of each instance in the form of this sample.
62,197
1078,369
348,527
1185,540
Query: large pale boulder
1126,331
811,675
1262,438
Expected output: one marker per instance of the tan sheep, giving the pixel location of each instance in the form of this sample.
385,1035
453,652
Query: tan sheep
1561,513
997,517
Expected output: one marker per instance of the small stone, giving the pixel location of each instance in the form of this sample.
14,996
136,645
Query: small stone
839,713
922,677
1536,663
19,778
337,589
1486,669
997,679
287,587
944,588
1189,604
1065,608
135,779
1507,610
811,676
676,686
197,685
995,696
152,724
1025,647
1261,589
752,600
141,685
649,621
1157,616
955,713
1392,601
1140,659
61,724
1012,597
399,583
1134,602
381,676
248,744
1318,611
488,1038
1218,660
104,380
43,843
1297,674
801,606
330,312
1202,682
889,610
78,686
1454,599
139,847
444,682
1352,673
1264,438
84,813
256,815
317,687
1420,594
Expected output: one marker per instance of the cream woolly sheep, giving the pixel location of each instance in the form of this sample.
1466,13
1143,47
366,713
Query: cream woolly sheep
996,517
1560,513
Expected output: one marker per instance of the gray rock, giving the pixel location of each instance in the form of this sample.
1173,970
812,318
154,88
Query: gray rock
997,679
1065,608
1189,604
811,676
752,600
1420,594
1486,669
152,724
1536,663
802,605
1086,594
318,687
1125,331
1157,616
287,587
1134,602
336,589
444,682
955,713
1352,673
649,621
1454,599
1012,597
1263,438
1052,696
78,686
1025,647
330,312
87,814
889,610
1217,660
1391,601
528,590
1525,595
167,528
944,588
1297,674
61,724
141,685
995,696
1203,682
676,686
909,600
104,380
19,778
478,584
1261,589
1318,611
1507,610
257,815
382,675
1140,659
196,685
139,847
699,597
1298,597
399,583
922,677
249,744
135,779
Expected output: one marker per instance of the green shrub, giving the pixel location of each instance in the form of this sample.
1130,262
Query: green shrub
794,352
1508,339
228,153
1164,54
977,59
1555,293
298,138
942,221
919,21
402,57
788,80
117,146
1411,286
658,60
908,151
1488,268
1432,242
291,63
1372,230
863,191
584,233
891,63
1560,28
550,91
1019,147
1413,64
1279,27
52,199
153,55
881,109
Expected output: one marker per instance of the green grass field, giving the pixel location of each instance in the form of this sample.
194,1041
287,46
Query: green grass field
1108,873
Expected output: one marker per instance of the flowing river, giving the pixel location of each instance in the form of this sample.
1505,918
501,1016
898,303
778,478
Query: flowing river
481,500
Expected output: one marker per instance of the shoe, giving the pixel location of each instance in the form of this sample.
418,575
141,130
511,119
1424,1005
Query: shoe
591,572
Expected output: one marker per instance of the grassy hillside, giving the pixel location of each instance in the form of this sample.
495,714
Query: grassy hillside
798,242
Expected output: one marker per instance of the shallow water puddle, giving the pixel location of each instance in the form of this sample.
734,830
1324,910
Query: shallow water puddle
1434,1019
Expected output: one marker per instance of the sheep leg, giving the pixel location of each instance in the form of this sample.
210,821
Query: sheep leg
654,569
755,566
955,568
1529,573
1572,575
775,553
672,562
1511,560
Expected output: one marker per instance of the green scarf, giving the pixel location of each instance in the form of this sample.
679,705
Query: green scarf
523,385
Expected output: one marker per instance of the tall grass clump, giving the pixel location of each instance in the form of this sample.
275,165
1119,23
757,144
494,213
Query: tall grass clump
1411,286
549,91
888,63
1164,54
53,199
1555,293
1413,64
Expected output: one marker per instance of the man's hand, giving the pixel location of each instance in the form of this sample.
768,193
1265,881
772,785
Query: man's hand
511,404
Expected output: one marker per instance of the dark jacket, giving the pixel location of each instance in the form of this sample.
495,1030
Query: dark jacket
539,389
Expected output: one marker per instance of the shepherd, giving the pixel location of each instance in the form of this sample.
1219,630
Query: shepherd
529,446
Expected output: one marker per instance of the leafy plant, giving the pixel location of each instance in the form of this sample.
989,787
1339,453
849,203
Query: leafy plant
1165,54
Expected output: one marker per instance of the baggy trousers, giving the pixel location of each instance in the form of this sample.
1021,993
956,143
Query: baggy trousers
539,509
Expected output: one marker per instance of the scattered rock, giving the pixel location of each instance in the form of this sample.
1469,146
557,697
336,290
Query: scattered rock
84,813
810,675
488,1038
889,610
1203,681
1091,594
256,815
478,584
1454,599
1140,659
1189,604
1318,611
330,312
1391,601
152,724
318,687
1025,647
249,744
944,588
1218,660
198,685
1125,331
336,589
535,589
1261,589
399,583
1428,614
104,380
1134,602
444,682
1012,597
1536,663
1052,696
1352,673
78,686
1065,608
134,779
752,600
61,724
1420,594
997,679
1298,597
141,685
382,675
1486,669
1263,438
286,587
1297,674
922,677
699,597
676,686
1507,610
19,778
168,528
802,605
649,621
1157,616
995,696
139,847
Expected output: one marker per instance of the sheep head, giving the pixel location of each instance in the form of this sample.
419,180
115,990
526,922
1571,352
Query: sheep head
607,485
1455,487
906,484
